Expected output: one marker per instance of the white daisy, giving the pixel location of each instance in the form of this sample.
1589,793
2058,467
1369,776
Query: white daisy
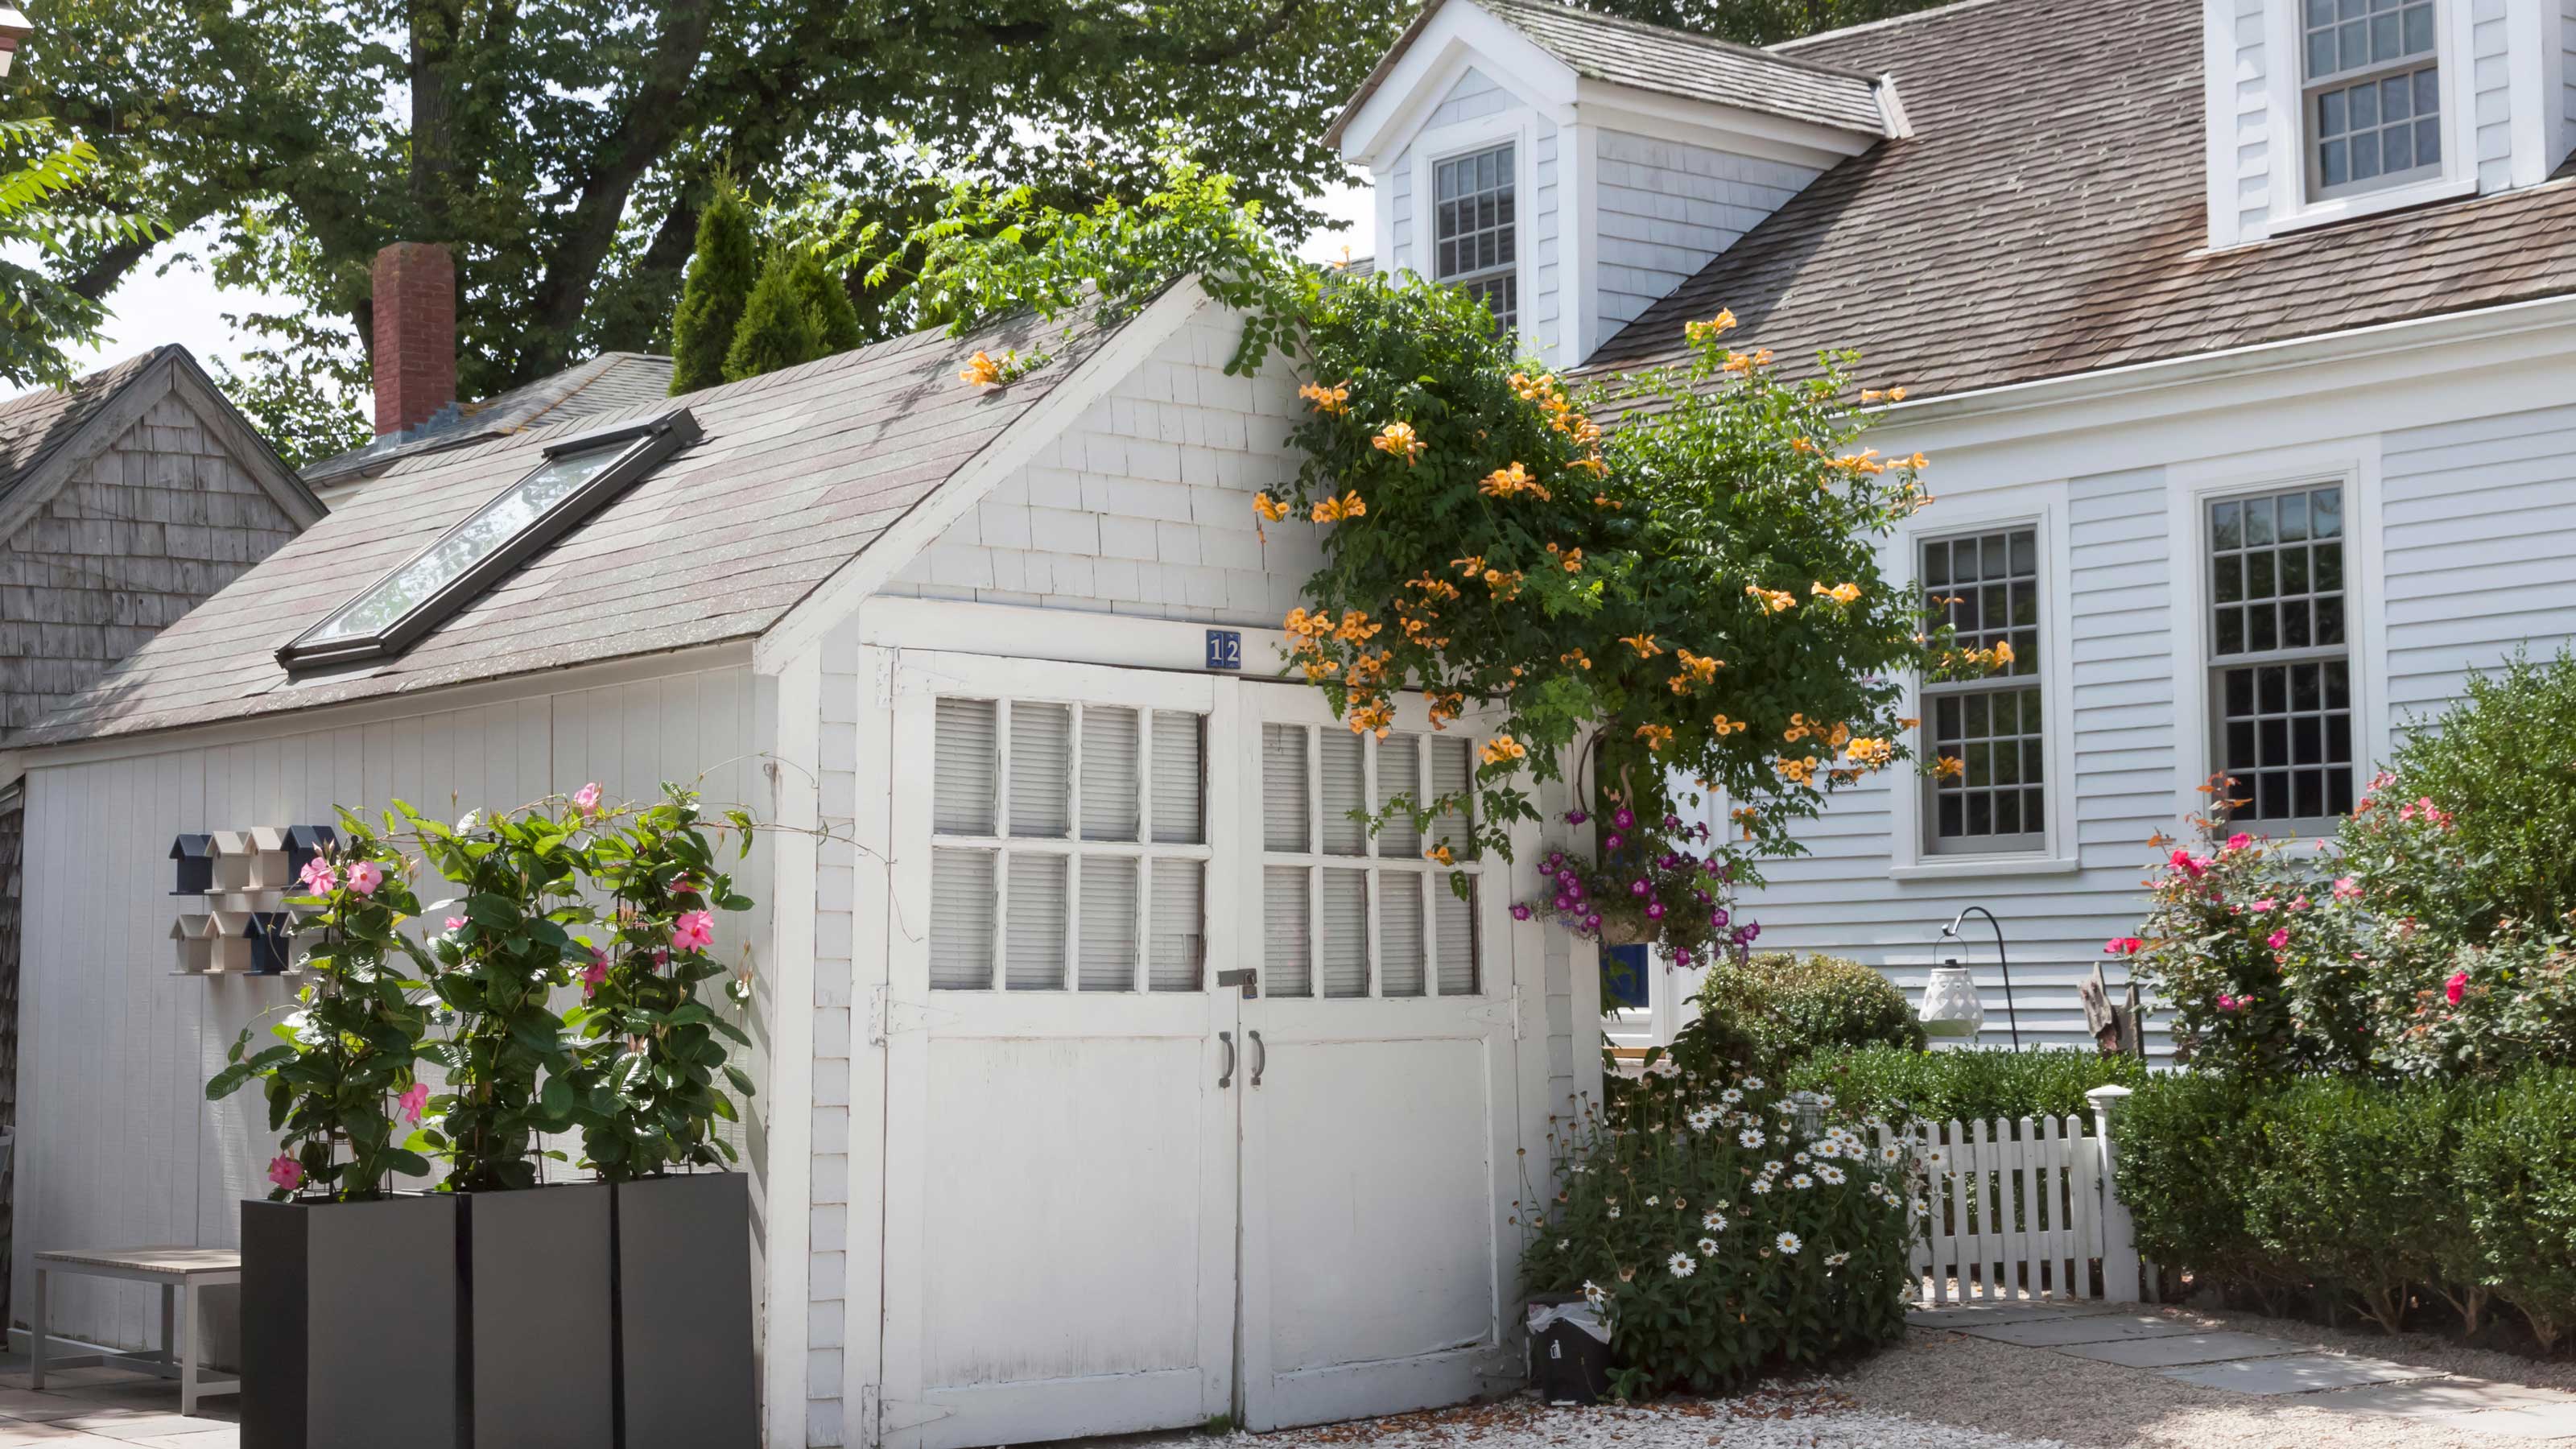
1831,1174
1614,1210
1890,1154
1760,1184
1836,1260
1802,1157
1802,1182
1730,1096
1774,1168
1753,1084
1682,1264
1708,1247
1830,1147
1592,1293
1751,1137
1715,1222
1703,1118
1652,1201
1788,1243
1922,1209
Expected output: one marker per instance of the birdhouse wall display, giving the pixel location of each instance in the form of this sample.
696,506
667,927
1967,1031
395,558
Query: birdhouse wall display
192,872
272,942
268,858
232,860
229,944
194,944
304,843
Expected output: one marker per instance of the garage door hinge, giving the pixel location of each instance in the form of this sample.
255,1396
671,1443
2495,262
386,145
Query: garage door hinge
1506,1012
896,1415
887,1016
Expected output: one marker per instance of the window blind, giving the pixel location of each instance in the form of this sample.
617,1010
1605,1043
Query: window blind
1344,792
1108,960
1456,920
1283,789
1108,773
1179,924
1180,779
1399,931
1041,769
1033,952
963,768
1287,963
1449,775
1344,959
1399,772
961,920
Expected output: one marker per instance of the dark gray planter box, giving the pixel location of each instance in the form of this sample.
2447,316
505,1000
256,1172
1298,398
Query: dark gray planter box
684,1312
538,1330
349,1318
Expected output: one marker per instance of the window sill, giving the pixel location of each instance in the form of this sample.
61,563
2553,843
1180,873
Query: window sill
1982,866
2369,203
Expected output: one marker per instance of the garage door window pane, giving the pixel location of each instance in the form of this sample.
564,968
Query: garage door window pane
1287,964
963,769
1033,957
1179,926
961,920
1041,769
1108,773
1180,779
1108,924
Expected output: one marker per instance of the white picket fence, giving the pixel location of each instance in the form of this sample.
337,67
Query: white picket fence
2022,1210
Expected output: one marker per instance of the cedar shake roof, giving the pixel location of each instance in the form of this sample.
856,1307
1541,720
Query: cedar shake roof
798,472
34,425
1668,62
2048,217
607,383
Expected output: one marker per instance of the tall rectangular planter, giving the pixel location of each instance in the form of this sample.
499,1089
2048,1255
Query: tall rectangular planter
349,1319
539,1351
684,1312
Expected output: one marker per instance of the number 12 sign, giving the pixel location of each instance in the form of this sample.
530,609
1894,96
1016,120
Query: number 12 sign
1224,649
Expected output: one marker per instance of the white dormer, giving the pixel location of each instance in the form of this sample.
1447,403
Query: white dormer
1571,169
2324,110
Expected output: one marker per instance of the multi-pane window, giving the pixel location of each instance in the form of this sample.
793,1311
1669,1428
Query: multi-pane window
1069,847
1987,736
2373,93
1347,913
1474,231
2281,684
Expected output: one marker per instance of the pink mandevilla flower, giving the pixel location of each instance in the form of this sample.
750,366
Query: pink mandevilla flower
319,878
414,1101
2227,1002
2277,939
586,799
285,1171
2347,889
2456,987
456,923
2263,905
365,876
694,931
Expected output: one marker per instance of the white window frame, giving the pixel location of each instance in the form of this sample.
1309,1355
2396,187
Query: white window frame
2294,204
1519,128
2044,512
2352,463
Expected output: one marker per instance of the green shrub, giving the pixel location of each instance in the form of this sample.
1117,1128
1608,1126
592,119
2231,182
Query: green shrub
2351,1187
721,273
2515,1168
1900,1083
775,331
2187,1145
1686,1221
1772,1011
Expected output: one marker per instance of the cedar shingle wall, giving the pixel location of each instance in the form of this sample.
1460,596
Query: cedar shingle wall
142,533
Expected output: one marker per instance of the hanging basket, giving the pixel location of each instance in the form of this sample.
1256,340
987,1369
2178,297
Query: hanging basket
1631,932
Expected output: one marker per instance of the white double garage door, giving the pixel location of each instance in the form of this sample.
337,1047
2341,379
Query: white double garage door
1123,1191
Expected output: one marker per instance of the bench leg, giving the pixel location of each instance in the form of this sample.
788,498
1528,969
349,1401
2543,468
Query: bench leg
169,1330
36,1330
188,1350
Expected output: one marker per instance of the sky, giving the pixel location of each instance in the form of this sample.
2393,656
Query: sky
184,305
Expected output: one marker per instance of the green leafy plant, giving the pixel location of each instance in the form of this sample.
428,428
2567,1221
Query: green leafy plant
343,1079
775,330
1904,1083
2516,1170
722,271
1721,1241
2187,1145
2352,1188
646,1088
1769,1012
43,181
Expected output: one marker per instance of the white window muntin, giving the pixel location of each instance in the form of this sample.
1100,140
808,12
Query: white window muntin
1321,871
1516,128
1476,210
994,835
2284,716
2371,102
1989,583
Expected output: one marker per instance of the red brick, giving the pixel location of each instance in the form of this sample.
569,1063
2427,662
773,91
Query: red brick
415,334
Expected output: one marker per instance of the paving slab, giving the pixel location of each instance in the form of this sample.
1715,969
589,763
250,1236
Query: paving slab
1960,1315
2443,1397
2080,1328
2302,1373
2179,1350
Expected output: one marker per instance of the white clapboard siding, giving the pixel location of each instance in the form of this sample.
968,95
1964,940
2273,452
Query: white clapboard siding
2015,1209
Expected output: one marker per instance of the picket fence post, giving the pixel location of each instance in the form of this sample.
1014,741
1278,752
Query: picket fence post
2120,1267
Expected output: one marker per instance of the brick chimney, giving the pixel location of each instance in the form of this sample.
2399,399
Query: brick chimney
415,334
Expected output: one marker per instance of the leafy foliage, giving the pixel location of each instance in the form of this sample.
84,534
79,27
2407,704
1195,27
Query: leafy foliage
349,1053
1904,1083
775,330
722,272
2187,1143
1721,1241
2352,1188
41,175
2501,765
2515,1169
826,299
1768,1013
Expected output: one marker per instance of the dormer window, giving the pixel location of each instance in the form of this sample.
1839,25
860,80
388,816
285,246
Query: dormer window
576,478
1476,230
2373,94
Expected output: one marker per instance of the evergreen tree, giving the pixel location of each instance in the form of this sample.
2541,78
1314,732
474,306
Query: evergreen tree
827,303
712,299
775,332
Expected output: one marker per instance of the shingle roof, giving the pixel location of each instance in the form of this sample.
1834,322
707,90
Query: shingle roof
610,381
798,472
33,425
1668,62
2048,217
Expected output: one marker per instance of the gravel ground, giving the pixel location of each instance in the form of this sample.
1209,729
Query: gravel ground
1806,1417
2003,1388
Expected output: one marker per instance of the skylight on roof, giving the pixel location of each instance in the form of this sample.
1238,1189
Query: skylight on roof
578,476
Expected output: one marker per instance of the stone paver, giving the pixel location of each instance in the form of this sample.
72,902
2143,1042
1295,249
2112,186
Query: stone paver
107,1408
2527,1421
2179,1350
1962,1315
2442,1397
2303,1373
2079,1328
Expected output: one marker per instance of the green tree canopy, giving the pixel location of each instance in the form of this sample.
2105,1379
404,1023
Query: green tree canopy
721,275
776,332
40,316
825,296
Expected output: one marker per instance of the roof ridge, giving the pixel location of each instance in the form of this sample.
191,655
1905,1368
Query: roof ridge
1734,47
1866,26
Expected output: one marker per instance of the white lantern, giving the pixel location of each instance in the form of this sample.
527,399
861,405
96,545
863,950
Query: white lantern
14,30
1950,1005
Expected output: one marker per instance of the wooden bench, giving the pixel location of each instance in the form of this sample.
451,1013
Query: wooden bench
180,1272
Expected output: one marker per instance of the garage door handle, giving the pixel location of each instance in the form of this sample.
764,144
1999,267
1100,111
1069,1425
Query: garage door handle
1227,1080
1261,1056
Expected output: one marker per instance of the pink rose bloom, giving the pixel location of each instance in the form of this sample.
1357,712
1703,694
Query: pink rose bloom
695,931
2227,1002
2382,780
285,1171
2277,939
2347,889
2189,864
2262,905
2299,904
319,878
586,799
413,1101
2124,946
2456,987
365,876
2406,812
2239,840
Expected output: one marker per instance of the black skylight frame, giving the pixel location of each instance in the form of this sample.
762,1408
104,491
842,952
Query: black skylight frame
640,446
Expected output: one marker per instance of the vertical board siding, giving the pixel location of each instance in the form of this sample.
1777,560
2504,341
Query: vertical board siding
1667,207
117,1144
2479,520
1144,505
2015,1209
2249,127
839,1012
